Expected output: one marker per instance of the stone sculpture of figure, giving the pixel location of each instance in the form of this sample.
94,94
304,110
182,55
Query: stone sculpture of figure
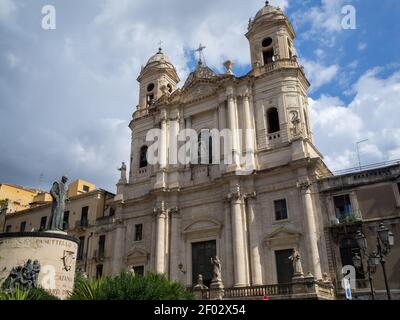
297,268
295,123
59,194
132,270
123,172
23,277
216,269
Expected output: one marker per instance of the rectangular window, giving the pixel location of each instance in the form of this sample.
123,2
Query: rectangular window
43,223
102,246
86,188
81,248
99,271
343,207
22,226
8,228
66,220
138,232
398,186
280,209
84,217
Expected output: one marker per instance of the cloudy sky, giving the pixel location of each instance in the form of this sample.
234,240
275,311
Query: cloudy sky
67,95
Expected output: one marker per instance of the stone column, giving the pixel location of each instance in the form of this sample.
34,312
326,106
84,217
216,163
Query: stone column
175,243
239,247
232,106
249,134
228,267
188,126
118,247
311,232
222,116
222,126
173,145
254,228
160,216
163,143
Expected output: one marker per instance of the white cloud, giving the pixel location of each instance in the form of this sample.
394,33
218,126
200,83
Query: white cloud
372,115
318,73
362,46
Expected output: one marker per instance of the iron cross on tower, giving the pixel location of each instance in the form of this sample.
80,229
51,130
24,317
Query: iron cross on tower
160,46
200,51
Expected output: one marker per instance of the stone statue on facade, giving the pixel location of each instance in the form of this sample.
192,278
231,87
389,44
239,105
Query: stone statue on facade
296,260
132,270
23,277
59,194
296,123
123,173
216,269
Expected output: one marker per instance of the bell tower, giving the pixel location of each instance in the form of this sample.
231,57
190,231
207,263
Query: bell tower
280,95
270,36
158,76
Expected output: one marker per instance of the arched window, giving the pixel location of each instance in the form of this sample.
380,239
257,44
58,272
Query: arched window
143,157
169,87
205,147
273,120
268,50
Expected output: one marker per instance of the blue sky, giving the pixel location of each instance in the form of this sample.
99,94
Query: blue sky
67,95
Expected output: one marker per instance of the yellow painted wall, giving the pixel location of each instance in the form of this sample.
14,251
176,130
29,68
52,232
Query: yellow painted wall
77,187
19,198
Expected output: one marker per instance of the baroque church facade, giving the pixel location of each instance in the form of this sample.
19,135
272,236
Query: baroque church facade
172,218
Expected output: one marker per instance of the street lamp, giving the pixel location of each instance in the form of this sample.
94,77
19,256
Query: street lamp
361,240
385,240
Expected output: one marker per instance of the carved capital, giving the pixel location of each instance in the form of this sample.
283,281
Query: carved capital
160,211
174,211
236,194
250,196
304,185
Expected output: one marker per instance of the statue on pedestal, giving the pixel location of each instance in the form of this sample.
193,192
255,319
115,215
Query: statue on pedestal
59,194
216,269
297,268
123,173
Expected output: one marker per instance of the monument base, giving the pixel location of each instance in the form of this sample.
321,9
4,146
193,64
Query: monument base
52,254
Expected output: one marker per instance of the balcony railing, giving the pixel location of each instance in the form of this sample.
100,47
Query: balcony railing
259,291
349,218
282,63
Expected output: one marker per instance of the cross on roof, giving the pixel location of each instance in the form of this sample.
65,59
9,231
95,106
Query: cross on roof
200,51
160,46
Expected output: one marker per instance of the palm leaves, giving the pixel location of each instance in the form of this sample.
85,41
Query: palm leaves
126,286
